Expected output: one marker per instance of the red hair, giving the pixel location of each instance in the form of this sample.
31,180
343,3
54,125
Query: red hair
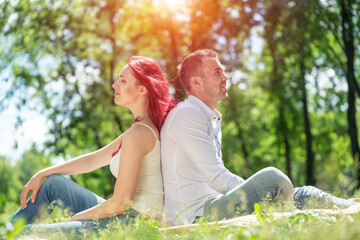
149,74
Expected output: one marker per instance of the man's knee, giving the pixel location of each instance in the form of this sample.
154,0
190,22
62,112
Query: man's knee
283,182
277,175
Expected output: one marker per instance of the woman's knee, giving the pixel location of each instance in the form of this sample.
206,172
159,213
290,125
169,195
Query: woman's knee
53,181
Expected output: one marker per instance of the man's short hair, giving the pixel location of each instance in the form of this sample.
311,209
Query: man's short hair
191,66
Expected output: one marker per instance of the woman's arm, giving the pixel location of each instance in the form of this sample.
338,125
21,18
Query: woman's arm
137,142
82,164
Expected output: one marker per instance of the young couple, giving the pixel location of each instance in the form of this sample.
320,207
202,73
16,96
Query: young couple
191,173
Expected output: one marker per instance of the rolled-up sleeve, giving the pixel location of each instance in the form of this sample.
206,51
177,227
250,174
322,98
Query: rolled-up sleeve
189,129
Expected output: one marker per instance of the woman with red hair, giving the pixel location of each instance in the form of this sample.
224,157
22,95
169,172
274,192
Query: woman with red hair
134,159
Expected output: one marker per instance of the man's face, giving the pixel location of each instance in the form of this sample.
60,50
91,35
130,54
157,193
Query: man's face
214,81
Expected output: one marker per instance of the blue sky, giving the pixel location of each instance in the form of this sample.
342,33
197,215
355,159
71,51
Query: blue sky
33,130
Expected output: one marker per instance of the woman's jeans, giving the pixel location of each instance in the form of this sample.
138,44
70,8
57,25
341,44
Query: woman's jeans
66,194
269,185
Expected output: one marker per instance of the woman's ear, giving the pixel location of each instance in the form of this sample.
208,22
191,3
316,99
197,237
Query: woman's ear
142,90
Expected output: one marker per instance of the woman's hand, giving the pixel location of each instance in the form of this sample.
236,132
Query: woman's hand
75,218
33,185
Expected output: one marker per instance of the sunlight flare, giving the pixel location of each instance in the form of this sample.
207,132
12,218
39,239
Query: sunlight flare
171,4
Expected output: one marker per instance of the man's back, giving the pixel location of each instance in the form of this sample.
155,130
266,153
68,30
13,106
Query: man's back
192,167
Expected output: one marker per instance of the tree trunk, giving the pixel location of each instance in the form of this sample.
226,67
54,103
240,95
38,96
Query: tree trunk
173,59
287,157
240,134
276,88
283,133
310,178
348,38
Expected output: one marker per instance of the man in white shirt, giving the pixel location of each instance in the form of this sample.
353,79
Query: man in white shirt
196,182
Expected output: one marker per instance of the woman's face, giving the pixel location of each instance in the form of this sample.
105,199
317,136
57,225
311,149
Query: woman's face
126,87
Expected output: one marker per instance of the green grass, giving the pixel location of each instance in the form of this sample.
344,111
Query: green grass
307,225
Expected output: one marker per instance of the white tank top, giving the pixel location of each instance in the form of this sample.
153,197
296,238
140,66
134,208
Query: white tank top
148,198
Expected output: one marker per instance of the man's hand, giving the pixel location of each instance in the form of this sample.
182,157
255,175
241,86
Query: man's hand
33,185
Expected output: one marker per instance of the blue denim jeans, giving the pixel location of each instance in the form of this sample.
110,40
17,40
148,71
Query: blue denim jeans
273,185
312,197
66,194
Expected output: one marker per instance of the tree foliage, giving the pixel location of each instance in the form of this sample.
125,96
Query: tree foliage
293,89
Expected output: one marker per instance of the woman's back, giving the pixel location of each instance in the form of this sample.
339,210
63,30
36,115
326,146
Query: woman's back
148,196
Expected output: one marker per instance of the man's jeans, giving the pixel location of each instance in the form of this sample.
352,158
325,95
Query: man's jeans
271,185
66,194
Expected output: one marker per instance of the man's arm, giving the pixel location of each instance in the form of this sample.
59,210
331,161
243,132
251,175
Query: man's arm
189,130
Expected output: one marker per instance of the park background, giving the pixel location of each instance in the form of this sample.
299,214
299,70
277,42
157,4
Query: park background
293,90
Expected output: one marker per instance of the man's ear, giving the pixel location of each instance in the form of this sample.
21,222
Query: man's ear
195,81
142,90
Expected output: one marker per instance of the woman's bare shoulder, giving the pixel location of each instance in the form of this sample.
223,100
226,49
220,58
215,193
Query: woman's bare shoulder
149,129
142,136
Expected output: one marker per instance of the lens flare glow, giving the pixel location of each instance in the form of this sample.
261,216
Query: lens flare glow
171,4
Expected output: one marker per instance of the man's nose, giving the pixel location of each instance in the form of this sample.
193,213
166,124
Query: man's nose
225,77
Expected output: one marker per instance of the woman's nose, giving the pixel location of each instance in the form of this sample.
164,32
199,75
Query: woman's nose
114,85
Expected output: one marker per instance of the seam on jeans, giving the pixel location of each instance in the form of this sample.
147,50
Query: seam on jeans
32,215
65,201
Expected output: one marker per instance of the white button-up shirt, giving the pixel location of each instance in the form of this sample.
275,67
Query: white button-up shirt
192,167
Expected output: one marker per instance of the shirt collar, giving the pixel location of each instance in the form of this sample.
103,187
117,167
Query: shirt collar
208,111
